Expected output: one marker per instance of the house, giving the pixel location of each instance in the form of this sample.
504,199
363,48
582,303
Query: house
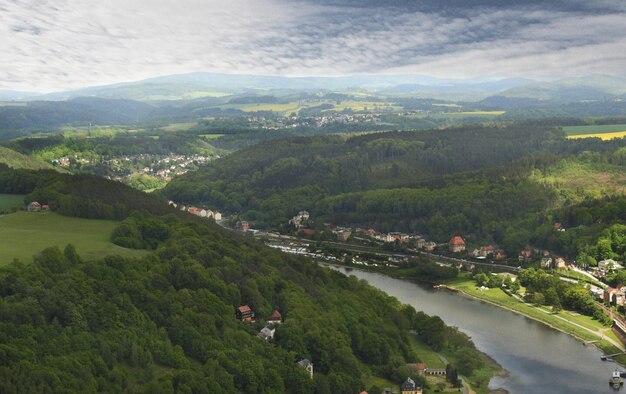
410,387
242,226
34,206
615,296
487,250
430,246
244,313
267,332
501,255
546,262
609,264
298,220
275,318
525,255
456,244
45,208
559,263
435,371
420,243
307,365
417,368
343,235
217,215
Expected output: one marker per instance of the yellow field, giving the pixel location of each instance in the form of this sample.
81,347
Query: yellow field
447,105
603,136
284,108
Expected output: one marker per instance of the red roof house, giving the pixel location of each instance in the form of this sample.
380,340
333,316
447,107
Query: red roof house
34,207
244,313
456,244
276,317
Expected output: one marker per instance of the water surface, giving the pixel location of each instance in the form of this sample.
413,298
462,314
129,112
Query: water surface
539,359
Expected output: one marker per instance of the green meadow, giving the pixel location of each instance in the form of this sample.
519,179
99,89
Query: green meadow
10,201
594,129
24,234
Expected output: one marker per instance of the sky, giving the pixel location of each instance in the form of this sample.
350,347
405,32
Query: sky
52,45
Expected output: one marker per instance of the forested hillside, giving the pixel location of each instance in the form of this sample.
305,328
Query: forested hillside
15,159
166,322
472,180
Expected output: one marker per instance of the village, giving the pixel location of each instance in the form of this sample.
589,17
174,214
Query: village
162,167
399,248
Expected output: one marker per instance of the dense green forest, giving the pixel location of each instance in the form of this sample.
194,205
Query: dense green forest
473,180
166,322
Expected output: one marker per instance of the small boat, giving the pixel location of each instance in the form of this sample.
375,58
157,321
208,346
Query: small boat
616,380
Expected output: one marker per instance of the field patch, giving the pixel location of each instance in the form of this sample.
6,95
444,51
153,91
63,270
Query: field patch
593,129
602,136
575,180
24,234
11,201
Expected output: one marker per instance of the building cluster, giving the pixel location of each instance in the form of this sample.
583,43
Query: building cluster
242,226
489,251
300,220
245,313
173,165
200,212
35,206
326,118
268,331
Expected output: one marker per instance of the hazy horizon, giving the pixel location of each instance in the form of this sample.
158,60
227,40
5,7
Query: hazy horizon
71,44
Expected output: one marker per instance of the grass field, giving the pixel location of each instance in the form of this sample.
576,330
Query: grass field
602,136
179,126
598,129
426,354
576,180
15,159
10,201
500,298
24,234
580,277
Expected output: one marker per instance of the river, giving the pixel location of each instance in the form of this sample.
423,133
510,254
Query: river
539,359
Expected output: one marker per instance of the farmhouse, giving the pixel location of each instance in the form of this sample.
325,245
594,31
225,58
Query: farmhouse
456,244
34,206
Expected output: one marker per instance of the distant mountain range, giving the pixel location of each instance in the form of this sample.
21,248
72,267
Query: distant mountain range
204,85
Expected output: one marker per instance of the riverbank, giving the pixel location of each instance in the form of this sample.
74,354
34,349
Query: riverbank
478,381
579,326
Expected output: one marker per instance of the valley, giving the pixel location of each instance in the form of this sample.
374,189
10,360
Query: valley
375,181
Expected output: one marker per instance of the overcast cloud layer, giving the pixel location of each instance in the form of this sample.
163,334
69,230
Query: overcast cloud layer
62,44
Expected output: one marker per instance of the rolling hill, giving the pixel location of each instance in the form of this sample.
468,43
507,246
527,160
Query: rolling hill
17,160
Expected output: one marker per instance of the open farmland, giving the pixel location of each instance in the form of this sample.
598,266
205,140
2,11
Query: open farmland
24,234
11,201
602,136
595,131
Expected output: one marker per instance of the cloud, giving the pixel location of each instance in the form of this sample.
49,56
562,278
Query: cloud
52,45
